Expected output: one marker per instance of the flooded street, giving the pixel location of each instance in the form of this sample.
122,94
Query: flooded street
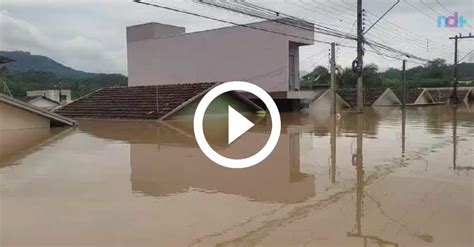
385,178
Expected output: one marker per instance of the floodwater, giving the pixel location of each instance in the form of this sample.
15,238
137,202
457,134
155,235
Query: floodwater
385,178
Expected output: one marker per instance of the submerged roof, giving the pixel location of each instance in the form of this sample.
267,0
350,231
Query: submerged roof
349,95
412,94
444,94
373,94
55,119
28,99
138,102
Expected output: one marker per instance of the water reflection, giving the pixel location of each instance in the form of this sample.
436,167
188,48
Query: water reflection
17,143
404,122
455,109
334,118
455,128
168,161
96,184
358,163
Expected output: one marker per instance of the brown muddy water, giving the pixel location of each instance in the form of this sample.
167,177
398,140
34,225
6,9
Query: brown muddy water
385,178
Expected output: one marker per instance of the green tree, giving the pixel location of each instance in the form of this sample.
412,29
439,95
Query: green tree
319,76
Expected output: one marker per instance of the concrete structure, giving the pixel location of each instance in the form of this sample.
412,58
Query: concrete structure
42,102
53,95
16,114
163,54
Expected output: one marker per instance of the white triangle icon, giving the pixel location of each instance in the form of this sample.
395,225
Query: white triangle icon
237,124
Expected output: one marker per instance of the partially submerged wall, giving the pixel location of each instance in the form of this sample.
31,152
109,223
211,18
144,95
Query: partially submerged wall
12,118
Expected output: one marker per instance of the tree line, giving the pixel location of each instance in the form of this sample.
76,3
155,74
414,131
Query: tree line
435,73
20,82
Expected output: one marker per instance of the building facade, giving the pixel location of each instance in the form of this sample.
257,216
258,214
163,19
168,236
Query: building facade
265,53
53,95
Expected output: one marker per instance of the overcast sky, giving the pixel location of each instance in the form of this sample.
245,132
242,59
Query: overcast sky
89,35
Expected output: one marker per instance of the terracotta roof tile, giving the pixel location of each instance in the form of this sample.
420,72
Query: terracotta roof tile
370,95
138,102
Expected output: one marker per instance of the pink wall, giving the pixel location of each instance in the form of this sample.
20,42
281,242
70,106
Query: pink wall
225,54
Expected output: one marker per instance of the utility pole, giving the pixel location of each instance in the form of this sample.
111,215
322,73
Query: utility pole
360,58
60,93
333,78
454,94
404,84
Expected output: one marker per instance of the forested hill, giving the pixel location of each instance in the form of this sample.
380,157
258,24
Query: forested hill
25,61
36,72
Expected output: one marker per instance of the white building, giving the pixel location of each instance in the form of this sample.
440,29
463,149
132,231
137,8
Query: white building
265,53
52,94
42,102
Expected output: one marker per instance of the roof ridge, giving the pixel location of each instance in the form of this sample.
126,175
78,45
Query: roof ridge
36,110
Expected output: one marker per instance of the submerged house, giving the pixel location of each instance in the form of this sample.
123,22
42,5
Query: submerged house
16,115
42,102
372,96
417,96
443,94
159,102
321,104
160,54
387,98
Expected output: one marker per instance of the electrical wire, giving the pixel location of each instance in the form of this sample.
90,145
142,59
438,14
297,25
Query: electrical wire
227,22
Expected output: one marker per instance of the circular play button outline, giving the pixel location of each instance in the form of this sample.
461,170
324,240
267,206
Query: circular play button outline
199,118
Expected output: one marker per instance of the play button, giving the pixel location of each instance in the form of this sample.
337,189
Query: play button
238,125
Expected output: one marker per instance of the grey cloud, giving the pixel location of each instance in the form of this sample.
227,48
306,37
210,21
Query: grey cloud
90,34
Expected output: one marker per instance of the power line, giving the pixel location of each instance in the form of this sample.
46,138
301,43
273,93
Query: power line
444,7
405,32
424,14
403,37
460,60
435,11
386,47
227,22
384,14
279,17
226,6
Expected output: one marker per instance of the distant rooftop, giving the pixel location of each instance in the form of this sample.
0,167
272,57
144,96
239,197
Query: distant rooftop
56,119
